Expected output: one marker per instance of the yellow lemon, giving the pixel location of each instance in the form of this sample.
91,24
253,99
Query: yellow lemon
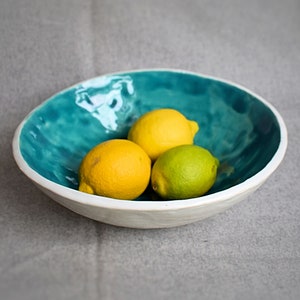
183,172
162,129
117,169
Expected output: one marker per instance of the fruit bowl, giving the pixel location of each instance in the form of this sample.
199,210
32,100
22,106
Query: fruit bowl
244,131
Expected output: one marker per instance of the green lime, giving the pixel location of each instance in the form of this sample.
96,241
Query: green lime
183,172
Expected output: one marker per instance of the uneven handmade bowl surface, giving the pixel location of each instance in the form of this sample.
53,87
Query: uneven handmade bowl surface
241,129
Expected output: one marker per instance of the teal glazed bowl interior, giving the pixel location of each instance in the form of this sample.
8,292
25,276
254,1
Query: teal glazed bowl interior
241,129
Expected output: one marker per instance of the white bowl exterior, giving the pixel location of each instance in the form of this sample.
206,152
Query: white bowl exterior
147,218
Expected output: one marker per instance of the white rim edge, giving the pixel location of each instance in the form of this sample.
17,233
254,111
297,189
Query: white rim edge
99,201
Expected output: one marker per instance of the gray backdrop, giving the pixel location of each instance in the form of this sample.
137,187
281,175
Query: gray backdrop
249,252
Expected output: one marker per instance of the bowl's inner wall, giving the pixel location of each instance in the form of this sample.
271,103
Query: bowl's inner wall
235,126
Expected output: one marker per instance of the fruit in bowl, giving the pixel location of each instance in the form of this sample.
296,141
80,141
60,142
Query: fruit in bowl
185,171
159,130
121,169
241,129
116,168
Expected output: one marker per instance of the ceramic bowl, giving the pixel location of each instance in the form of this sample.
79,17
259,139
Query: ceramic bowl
241,129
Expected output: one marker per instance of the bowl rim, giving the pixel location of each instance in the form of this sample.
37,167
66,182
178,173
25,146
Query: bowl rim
152,205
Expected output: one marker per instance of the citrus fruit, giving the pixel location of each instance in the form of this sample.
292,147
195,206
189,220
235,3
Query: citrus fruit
183,172
161,129
115,168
